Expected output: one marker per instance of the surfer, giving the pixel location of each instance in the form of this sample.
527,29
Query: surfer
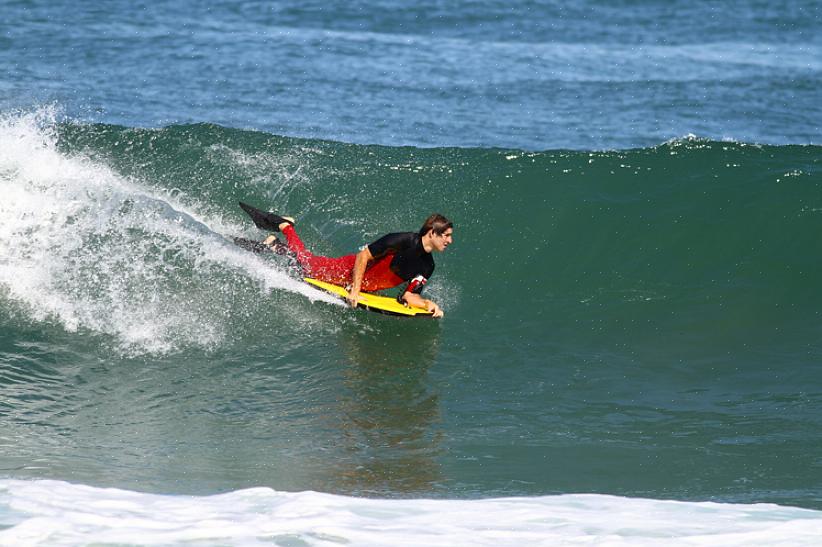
390,261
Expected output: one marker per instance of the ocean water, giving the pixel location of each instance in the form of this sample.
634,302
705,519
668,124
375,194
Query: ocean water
632,346
536,75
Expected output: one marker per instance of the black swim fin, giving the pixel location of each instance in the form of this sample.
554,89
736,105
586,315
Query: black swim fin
251,245
277,247
264,220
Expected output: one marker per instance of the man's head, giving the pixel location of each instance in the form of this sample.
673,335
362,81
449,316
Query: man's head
437,232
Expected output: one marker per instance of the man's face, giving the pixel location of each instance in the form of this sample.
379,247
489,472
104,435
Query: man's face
443,240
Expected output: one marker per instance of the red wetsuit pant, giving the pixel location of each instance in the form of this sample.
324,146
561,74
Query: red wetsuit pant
378,274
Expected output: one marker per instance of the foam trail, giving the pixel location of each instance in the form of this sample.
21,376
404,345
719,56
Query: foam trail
57,513
91,249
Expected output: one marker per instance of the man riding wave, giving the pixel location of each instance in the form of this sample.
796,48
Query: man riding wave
390,261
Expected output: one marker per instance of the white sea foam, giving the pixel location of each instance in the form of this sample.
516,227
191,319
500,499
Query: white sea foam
55,513
92,249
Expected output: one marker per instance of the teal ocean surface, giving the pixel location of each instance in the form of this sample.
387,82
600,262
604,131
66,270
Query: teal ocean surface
536,75
631,351
642,323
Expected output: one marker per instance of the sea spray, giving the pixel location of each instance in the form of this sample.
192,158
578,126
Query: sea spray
99,251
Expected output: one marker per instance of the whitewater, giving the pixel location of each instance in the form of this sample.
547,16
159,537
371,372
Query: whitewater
59,513
70,227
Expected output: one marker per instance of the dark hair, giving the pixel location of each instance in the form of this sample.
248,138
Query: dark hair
436,222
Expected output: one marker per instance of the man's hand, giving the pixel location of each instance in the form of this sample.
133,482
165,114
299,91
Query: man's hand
413,299
433,307
363,257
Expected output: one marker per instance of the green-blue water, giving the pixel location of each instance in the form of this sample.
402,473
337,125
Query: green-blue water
632,297
532,74
641,322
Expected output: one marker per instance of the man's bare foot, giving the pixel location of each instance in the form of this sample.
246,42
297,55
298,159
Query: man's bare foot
288,221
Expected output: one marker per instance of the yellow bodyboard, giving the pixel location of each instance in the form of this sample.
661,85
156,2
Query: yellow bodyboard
373,302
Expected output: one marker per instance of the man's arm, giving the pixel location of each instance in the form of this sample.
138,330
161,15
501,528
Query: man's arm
414,299
376,250
363,257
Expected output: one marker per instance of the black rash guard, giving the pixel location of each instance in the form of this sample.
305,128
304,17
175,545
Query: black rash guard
409,262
